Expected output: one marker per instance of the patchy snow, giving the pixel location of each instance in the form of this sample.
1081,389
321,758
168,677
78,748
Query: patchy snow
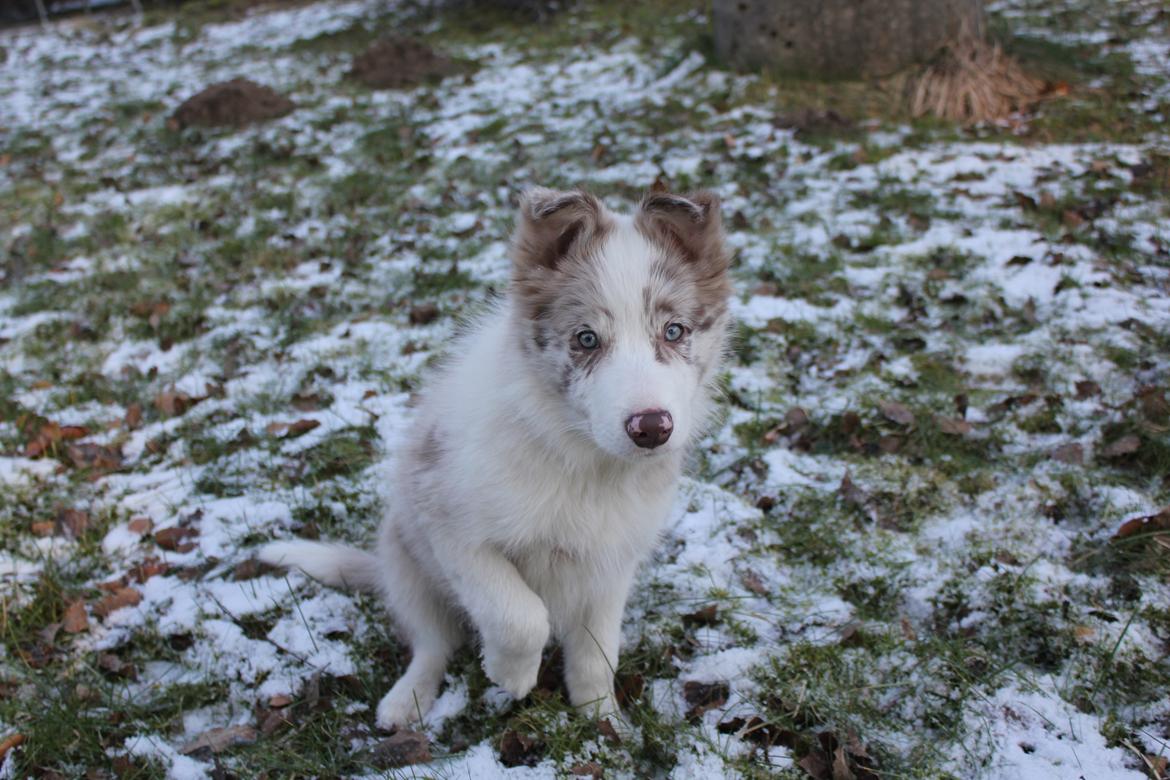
950,603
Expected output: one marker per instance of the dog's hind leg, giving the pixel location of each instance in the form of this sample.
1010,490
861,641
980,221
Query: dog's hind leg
430,627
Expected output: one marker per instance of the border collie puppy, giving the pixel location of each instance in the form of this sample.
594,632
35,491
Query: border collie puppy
546,452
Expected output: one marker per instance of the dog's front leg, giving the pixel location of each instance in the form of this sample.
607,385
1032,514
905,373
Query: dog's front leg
512,620
591,646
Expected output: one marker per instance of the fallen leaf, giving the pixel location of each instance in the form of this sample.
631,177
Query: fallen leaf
279,700
752,581
403,748
250,569
94,456
140,525
816,765
590,769
707,616
628,688
123,597
423,313
1147,524
49,434
275,720
10,742
301,427
75,620
306,402
149,567
219,739
952,426
1071,453
704,696
896,412
606,729
43,528
174,403
291,430
73,522
1126,445
850,492
108,662
1087,389
175,539
908,632
518,749
841,770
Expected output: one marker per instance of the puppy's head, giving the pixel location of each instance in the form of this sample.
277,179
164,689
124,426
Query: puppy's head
624,317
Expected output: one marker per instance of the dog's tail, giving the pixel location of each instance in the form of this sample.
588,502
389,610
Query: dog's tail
333,564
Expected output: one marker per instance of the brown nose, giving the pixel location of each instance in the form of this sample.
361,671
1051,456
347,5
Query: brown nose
651,428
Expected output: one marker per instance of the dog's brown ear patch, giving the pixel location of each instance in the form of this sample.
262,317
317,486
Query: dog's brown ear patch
552,224
691,225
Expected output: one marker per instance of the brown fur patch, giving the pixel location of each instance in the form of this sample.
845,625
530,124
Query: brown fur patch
690,228
555,228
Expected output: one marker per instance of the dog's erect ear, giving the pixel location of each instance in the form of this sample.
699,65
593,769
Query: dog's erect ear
691,225
552,223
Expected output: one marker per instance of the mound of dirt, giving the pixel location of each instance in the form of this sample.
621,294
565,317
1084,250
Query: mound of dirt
232,103
399,63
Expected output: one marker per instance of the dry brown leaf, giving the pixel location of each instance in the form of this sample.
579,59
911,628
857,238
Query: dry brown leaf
175,539
896,412
150,567
140,525
75,620
49,434
301,427
423,313
816,765
590,769
1071,453
705,616
10,742
952,426
173,403
1147,524
1126,445
752,581
94,456
219,739
122,597
841,770
517,749
704,696
73,522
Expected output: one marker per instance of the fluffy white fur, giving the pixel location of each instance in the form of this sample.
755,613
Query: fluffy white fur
522,508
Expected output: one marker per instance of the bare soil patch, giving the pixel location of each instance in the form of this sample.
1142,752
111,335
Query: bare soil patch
400,63
232,103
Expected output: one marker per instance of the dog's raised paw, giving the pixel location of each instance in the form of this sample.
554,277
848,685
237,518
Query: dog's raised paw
516,673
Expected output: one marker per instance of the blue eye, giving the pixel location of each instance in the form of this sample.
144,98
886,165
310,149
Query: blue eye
674,331
588,339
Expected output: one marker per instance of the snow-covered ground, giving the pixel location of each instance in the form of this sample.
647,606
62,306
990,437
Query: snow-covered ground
899,554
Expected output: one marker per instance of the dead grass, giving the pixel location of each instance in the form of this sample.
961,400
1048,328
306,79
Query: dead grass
971,81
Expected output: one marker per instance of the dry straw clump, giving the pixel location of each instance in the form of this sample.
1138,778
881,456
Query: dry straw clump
972,81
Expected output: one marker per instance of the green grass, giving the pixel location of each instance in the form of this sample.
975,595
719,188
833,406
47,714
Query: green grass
216,282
